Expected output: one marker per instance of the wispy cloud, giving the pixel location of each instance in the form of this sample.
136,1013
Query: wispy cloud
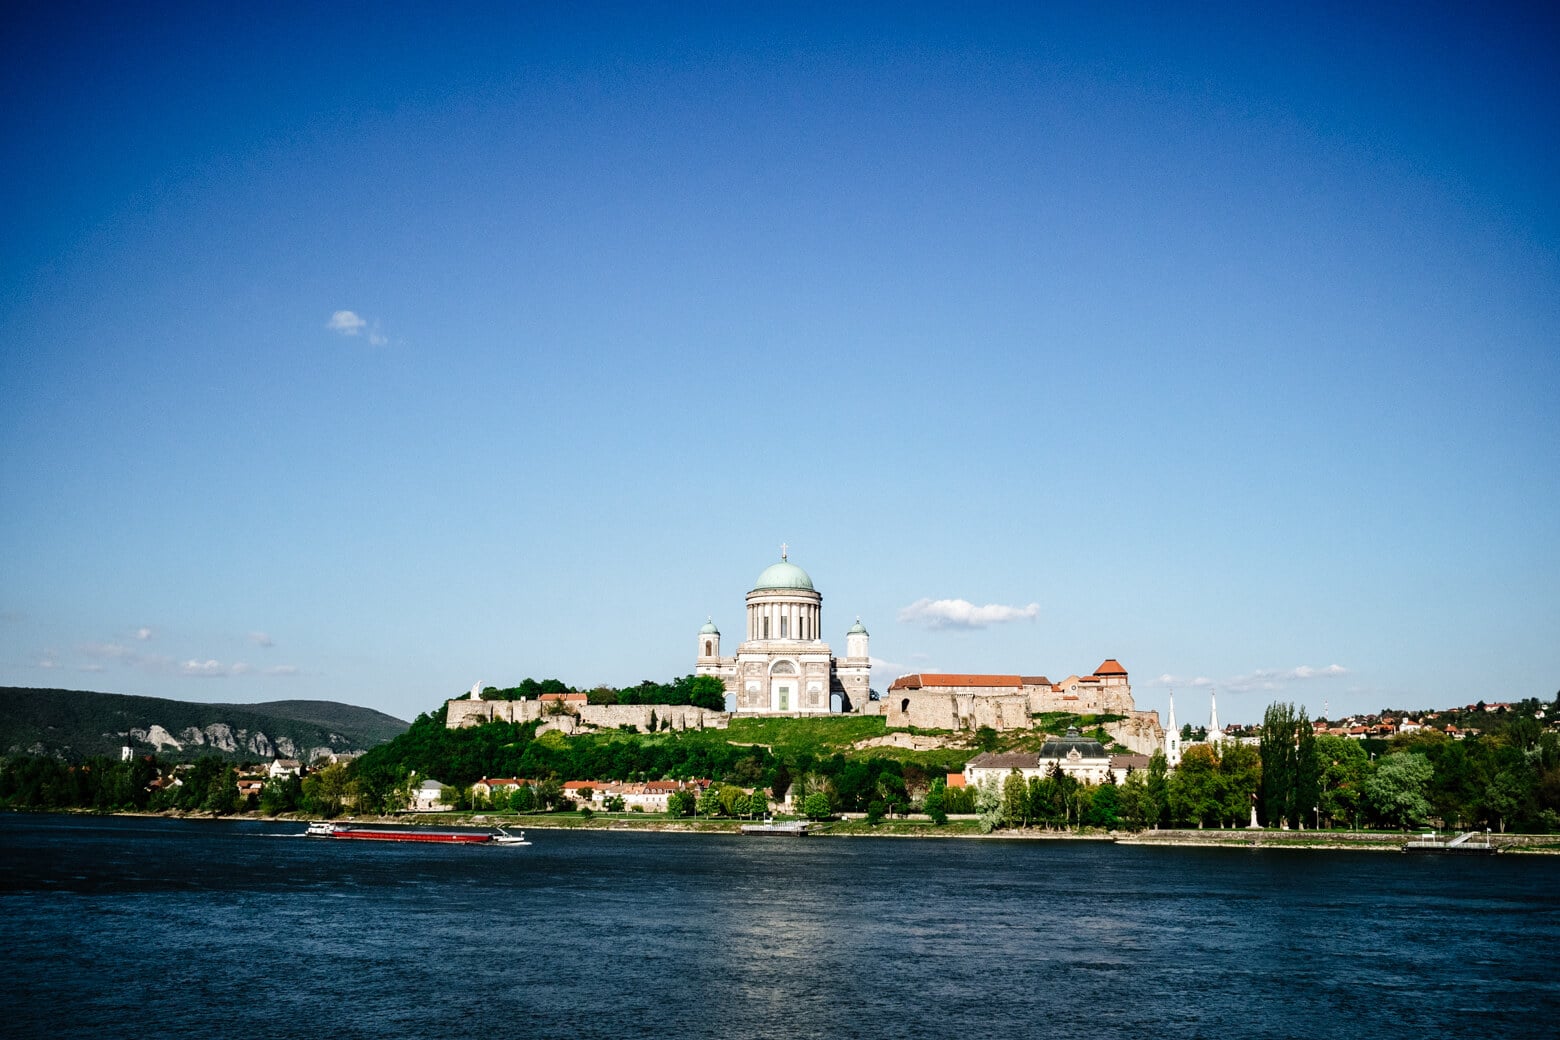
961,613
112,652
346,322
99,655
885,672
350,323
1269,679
143,634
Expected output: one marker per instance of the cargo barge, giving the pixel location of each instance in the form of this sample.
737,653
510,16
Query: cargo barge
340,830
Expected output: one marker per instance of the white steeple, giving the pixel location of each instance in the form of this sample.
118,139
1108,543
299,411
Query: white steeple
1172,738
1215,734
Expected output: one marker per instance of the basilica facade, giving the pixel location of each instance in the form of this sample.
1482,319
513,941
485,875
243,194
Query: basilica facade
783,666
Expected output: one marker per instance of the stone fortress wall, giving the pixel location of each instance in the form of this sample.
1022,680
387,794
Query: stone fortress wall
968,702
576,717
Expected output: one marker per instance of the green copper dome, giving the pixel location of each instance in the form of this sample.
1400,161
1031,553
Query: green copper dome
783,575
858,629
709,629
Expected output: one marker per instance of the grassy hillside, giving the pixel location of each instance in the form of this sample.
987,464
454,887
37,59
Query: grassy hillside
75,724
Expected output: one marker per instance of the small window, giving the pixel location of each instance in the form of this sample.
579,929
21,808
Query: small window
708,648
904,705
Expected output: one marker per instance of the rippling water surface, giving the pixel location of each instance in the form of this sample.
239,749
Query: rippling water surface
166,928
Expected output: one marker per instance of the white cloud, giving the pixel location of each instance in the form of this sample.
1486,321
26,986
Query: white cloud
345,322
202,668
282,669
885,672
143,634
111,652
961,613
377,338
240,668
1267,679
261,639
46,661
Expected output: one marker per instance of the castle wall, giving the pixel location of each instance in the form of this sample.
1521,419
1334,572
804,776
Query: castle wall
1083,699
462,713
966,710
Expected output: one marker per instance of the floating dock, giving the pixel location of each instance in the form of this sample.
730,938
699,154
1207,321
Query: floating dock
795,829
1462,845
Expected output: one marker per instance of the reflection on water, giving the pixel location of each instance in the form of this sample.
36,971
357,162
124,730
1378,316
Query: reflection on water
185,929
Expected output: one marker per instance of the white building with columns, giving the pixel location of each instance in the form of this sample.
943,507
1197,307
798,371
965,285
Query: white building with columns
783,666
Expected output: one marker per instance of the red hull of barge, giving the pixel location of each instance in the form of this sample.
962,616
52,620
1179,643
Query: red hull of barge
440,836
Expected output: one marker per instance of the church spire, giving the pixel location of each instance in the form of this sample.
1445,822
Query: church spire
1215,734
1172,738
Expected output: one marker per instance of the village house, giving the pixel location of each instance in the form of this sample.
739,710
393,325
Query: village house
429,797
1082,758
495,790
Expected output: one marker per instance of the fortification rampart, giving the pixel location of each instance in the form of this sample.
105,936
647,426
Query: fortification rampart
572,718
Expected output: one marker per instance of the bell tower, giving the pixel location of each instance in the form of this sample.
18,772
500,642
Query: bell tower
709,642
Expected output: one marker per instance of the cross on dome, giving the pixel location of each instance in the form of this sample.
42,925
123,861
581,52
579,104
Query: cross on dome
783,548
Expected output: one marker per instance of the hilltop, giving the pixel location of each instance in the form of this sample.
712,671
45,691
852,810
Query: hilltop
76,724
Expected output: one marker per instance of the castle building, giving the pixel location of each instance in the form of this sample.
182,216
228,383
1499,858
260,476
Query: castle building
783,666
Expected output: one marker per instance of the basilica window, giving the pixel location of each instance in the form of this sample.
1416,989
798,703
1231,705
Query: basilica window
766,628
785,624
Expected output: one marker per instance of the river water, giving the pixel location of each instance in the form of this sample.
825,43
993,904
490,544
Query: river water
170,928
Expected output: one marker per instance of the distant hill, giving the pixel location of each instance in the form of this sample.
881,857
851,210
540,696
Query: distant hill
75,724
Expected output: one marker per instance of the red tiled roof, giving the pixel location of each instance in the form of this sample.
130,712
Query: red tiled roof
922,679
956,780
1110,667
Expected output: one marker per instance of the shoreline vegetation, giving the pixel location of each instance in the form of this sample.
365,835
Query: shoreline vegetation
1229,838
1305,784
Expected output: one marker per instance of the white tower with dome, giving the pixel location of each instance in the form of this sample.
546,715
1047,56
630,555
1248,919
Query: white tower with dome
783,666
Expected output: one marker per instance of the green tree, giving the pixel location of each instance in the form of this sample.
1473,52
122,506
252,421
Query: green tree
1136,804
281,794
758,805
1194,788
1511,796
1341,765
709,802
522,799
1158,784
1240,776
1396,790
326,791
1105,807
875,811
1015,800
988,803
816,806
222,793
933,803
1278,752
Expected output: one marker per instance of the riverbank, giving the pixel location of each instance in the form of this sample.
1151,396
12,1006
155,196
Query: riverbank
1244,838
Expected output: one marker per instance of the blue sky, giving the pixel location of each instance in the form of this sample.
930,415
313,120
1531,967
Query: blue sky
363,353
